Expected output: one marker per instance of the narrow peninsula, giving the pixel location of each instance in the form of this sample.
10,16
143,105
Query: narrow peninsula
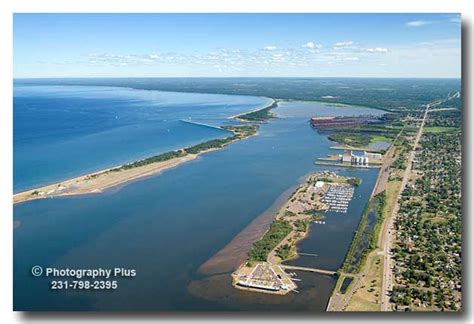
263,271
98,181
258,115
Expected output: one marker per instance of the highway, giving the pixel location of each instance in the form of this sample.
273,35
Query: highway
388,233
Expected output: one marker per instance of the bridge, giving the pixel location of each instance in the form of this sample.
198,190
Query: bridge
298,268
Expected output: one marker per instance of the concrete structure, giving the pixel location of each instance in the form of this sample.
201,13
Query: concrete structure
342,121
372,155
264,277
349,157
360,160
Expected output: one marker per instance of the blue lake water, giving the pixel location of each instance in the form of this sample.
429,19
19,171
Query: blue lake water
65,131
166,226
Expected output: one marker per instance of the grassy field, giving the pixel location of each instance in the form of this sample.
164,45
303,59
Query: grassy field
367,297
391,191
437,130
379,138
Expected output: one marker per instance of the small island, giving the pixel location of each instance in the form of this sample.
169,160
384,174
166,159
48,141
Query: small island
321,192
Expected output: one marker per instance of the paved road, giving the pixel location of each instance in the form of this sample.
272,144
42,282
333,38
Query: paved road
384,173
338,302
388,231
443,109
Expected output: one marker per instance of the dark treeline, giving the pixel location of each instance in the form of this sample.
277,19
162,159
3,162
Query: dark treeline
153,159
278,230
239,132
383,93
261,114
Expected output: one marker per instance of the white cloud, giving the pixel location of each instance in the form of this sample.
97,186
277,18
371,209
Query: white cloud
270,48
302,57
341,45
312,45
377,50
418,23
350,58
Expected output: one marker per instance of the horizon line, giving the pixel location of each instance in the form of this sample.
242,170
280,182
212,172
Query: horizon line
233,77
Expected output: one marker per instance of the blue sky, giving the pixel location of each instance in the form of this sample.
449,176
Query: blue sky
229,45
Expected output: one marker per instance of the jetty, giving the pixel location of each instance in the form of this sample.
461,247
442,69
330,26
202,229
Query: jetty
188,121
347,165
299,268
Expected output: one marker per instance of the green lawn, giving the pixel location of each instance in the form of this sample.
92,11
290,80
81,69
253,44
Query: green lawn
379,138
437,130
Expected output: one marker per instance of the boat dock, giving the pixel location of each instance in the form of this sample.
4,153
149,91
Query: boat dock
347,165
337,198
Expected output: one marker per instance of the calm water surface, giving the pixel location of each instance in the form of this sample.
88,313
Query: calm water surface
167,225
65,131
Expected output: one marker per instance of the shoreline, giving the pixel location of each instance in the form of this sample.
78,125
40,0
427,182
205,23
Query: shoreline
290,224
270,106
338,301
234,253
89,183
97,182
215,93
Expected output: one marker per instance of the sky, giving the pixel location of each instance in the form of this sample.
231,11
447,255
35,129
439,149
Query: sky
237,45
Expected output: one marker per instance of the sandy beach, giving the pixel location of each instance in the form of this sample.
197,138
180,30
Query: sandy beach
98,181
273,104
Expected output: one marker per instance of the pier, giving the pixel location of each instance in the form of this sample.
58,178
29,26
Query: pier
347,165
199,124
352,148
320,271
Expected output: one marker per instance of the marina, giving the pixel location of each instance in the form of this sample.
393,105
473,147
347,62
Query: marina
347,165
337,198
155,201
261,162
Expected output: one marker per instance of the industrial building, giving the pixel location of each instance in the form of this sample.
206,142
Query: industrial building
350,157
342,121
372,155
